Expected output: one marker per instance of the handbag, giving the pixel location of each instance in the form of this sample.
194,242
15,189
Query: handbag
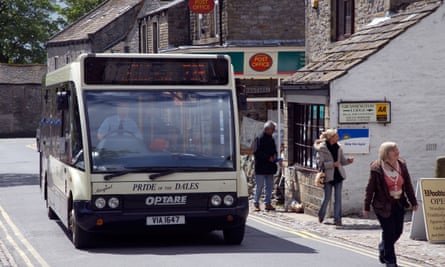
320,178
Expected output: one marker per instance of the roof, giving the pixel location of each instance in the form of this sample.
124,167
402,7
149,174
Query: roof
344,55
22,74
95,20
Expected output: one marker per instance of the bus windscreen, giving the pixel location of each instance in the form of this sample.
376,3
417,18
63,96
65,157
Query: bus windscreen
156,71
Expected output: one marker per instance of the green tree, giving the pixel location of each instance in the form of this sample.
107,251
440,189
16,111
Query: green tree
74,9
25,25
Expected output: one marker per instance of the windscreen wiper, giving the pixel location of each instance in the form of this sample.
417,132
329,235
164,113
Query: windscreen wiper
116,174
164,173
132,170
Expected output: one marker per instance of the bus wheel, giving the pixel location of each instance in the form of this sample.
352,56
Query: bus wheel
79,237
51,214
234,236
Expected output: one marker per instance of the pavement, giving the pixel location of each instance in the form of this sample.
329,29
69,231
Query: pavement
360,232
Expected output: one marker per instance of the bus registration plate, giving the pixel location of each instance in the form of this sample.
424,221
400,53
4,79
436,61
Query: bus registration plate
166,220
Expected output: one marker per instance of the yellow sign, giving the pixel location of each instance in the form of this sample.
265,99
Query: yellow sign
433,198
381,111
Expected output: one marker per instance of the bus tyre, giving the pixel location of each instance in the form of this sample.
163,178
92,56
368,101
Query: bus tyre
79,237
51,214
234,236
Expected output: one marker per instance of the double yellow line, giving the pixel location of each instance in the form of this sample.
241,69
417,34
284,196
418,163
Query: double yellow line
16,239
314,237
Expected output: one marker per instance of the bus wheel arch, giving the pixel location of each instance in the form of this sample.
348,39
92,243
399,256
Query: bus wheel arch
79,237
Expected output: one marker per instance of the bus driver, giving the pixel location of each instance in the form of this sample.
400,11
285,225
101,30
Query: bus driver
119,123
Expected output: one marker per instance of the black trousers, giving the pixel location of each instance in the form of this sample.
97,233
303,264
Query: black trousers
392,228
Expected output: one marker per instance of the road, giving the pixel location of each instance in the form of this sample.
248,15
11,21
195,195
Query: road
33,240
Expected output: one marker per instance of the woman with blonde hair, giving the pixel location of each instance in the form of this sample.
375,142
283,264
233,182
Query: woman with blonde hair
388,191
330,159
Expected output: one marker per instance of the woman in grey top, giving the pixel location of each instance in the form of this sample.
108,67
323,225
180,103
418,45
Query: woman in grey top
331,159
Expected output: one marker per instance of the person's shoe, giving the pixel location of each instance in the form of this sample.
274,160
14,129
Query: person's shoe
391,265
320,219
256,207
381,258
269,207
338,223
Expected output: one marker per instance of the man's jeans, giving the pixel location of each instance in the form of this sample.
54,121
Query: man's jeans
261,180
327,197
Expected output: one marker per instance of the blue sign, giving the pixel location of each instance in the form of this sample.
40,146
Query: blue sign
354,140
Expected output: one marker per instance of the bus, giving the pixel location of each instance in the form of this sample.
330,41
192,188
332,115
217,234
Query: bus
142,143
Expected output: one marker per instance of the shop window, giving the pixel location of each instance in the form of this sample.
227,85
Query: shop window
344,19
306,126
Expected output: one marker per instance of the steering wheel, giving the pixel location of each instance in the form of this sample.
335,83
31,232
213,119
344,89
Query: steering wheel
119,132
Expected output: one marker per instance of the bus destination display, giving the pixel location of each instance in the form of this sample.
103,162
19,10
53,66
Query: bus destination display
156,71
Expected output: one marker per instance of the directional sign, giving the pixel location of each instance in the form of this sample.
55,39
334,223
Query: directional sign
364,112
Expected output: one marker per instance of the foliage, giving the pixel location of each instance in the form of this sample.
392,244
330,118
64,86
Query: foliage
77,8
25,26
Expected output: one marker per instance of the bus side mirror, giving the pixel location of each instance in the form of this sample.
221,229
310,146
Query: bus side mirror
62,100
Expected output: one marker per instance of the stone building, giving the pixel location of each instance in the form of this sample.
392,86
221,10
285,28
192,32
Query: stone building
265,45
381,80
20,99
111,27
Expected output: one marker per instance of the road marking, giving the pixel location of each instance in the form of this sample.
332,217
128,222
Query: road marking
314,237
21,239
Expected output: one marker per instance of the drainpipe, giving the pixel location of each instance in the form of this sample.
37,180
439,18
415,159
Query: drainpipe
221,4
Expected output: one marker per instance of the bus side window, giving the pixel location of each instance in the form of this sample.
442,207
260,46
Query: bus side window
75,141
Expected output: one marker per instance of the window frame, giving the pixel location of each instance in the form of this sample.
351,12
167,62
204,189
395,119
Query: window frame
344,19
307,124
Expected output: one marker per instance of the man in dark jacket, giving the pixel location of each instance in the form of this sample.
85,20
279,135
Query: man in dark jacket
265,152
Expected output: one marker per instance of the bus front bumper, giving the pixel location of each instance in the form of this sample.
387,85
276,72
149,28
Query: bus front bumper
120,222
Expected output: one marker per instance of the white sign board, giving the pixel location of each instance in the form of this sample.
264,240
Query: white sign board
364,112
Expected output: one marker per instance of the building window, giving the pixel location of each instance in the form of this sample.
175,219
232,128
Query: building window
144,39
155,39
307,125
344,18
214,21
199,28
206,25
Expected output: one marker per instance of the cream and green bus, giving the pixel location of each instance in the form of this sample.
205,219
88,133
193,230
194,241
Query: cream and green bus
141,143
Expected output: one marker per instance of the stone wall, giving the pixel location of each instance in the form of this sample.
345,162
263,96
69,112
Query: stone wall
300,187
265,20
178,25
20,99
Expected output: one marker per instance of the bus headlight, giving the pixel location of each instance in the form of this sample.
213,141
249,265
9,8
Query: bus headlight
229,200
215,200
113,202
100,203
